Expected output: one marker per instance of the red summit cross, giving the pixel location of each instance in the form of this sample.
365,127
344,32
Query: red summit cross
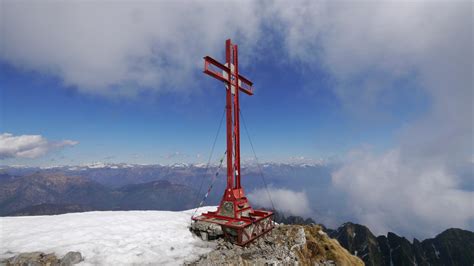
239,222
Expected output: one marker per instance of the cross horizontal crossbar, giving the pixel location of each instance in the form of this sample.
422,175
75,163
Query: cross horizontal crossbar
245,85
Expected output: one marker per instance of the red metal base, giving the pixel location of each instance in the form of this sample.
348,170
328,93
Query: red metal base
239,222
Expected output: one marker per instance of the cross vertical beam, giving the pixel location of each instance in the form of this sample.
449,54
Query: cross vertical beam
236,118
228,108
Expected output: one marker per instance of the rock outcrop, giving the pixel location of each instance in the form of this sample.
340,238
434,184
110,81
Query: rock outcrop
43,259
451,247
286,244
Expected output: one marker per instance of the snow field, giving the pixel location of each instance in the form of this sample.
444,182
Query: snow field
107,237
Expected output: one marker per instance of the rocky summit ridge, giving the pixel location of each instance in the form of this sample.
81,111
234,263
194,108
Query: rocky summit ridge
451,247
284,245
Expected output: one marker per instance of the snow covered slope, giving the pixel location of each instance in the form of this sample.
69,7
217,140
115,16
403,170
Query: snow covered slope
108,237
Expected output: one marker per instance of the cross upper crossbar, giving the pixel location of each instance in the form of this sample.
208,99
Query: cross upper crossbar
245,85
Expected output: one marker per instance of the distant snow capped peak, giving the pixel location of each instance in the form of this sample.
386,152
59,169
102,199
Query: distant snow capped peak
18,166
200,165
49,167
96,165
124,165
180,165
306,162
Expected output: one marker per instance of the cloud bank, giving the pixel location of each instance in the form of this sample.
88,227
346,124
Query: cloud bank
389,194
29,146
287,201
121,48
423,184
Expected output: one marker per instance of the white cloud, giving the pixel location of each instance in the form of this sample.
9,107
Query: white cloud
388,194
285,200
368,47
28,146
122,48
416,187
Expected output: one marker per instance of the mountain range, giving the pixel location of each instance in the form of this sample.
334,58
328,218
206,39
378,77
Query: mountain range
42,193
313,177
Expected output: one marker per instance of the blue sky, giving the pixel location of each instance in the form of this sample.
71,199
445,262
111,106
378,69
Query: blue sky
292,114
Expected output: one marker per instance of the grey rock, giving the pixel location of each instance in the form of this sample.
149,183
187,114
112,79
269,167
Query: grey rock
228,245
213,230
71,258
33,259
204,236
